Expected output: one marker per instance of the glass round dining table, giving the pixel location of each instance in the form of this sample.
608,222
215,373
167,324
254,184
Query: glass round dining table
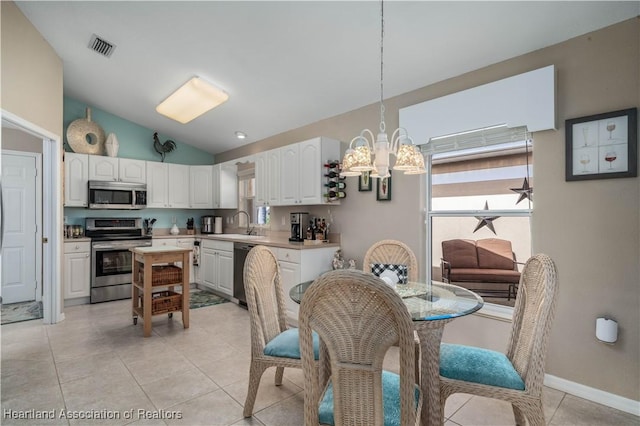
431,306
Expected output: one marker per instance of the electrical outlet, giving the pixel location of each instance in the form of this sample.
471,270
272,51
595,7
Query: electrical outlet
284,221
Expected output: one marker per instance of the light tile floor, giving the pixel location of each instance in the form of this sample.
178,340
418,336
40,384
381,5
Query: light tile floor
97,362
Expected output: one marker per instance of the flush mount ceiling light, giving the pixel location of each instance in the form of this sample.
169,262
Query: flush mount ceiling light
241,135
357,159
192,100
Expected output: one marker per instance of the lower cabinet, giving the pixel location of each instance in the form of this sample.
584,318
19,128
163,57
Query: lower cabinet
77,272
216,265
298,266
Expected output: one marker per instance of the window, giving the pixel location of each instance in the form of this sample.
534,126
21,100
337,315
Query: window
478,191
259,215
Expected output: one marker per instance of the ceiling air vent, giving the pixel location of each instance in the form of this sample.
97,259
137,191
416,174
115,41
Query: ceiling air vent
101,46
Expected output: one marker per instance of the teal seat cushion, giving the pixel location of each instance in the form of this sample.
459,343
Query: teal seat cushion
478,365
390,401
287,345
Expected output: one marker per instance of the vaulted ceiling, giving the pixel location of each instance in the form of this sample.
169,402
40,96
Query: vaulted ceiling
288,64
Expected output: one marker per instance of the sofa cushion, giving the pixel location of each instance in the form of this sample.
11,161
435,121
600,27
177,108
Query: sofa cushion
460,253
485,275
494,253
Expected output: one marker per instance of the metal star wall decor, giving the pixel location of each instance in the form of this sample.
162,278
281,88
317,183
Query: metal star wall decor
486,220
525,191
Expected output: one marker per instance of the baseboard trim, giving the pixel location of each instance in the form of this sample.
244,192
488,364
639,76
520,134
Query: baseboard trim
592,394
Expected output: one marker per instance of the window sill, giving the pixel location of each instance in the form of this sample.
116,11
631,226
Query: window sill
496,312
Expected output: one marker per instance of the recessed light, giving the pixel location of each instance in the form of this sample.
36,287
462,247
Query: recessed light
241,135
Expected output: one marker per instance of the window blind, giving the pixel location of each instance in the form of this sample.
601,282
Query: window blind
496,135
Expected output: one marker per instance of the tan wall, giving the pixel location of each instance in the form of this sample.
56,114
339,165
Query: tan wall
31,72
591,228
18,140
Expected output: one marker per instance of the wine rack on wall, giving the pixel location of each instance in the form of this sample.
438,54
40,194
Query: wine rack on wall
335,185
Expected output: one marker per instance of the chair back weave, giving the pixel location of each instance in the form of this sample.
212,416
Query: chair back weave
358,317
532,318
265,298
393,252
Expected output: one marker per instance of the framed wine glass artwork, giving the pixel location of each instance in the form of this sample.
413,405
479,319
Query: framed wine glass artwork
364,181
383,190
602,146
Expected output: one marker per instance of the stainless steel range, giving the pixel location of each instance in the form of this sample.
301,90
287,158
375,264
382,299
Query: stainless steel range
111,260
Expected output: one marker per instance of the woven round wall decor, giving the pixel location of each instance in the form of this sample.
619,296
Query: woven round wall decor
86,136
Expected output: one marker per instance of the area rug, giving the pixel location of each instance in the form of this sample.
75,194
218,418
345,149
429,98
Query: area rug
24,311
200,299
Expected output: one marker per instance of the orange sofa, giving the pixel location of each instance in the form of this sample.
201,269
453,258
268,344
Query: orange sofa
489,260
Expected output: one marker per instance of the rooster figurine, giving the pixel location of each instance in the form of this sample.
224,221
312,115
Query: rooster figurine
163,148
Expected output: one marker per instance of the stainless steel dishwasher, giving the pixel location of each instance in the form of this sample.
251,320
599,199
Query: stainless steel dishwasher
240,251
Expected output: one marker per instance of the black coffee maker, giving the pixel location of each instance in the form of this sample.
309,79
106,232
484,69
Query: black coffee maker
298,221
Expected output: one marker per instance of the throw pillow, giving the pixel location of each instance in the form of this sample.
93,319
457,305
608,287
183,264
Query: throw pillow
379,270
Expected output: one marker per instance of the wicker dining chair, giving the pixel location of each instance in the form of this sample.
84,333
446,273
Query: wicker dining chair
395,253
273,343
358,318
517,376
392,252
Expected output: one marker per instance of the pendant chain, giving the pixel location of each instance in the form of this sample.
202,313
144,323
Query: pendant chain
382,124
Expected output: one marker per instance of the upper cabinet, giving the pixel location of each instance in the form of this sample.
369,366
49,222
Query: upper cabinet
260,164
201,187
267,173
76,174
116,169
167,185
225,185
302,170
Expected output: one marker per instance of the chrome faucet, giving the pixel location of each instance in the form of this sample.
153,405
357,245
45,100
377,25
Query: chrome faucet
249,228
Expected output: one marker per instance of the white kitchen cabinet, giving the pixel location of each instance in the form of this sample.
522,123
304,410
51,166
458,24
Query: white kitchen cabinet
188,243
178,186
117,169
302,170
272,164
103,168
167,185
201,187
216,265
77,272
289,175
298,266
157,181
225,185
130,170
260,165
76,175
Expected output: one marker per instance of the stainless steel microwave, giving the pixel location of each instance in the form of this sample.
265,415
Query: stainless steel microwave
117,195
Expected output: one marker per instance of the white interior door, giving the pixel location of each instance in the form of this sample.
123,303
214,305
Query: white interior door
20,263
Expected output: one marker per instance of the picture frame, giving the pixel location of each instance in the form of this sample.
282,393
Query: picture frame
383,189
602,146
364,181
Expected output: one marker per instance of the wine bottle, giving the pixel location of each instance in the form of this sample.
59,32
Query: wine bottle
334,194
332,165
333,175
310,235
333,184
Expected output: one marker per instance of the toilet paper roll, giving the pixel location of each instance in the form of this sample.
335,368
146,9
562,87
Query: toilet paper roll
217,225
606,330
